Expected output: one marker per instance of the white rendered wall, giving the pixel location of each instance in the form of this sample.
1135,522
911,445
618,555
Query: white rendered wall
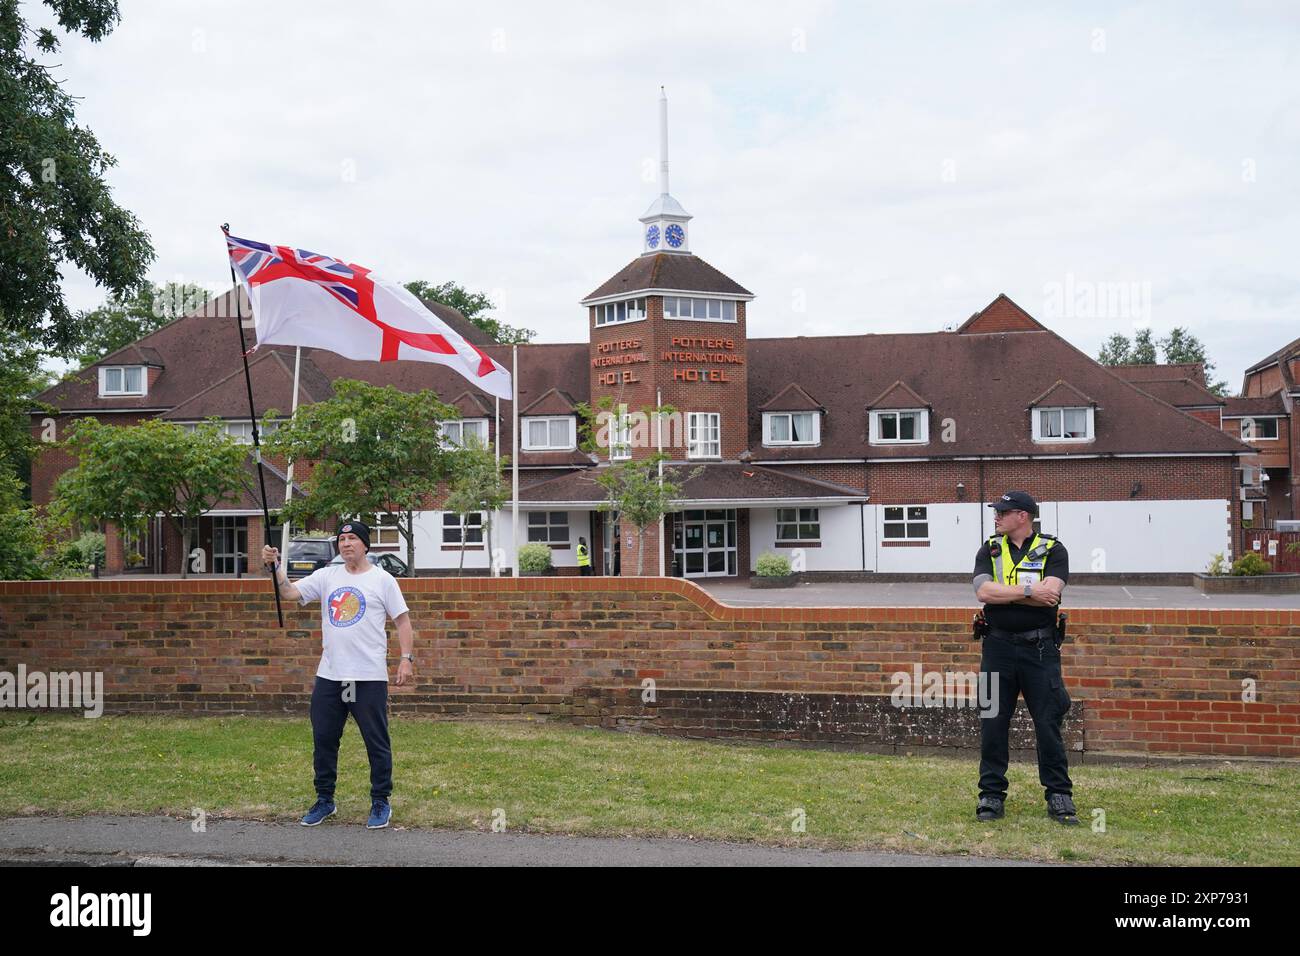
430,552
841,541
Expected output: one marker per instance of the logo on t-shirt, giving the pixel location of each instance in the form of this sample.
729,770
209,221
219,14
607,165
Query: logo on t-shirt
347,606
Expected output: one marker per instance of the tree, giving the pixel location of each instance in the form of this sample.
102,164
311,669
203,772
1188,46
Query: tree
21,380
472,305
476,485
55,205
120,322
638,496
373,450
1179,347
128,473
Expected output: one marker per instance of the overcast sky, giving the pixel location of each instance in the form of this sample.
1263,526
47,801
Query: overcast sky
860,167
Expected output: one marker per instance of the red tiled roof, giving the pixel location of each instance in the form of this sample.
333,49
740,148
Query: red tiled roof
898,395
1266,405
668,271
553,401
984,382
1161,373
1182,393
792,398
1061,393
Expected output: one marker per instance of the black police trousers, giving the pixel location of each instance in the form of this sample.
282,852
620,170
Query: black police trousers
367,701
1035,671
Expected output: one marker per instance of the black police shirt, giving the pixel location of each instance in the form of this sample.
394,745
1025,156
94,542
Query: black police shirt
1022,617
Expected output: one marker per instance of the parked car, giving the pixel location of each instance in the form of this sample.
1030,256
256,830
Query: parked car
389,562
305,555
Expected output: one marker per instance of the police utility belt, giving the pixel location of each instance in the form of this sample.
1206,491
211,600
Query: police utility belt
1028,570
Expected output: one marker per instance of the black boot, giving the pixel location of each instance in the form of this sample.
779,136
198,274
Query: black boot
1061,809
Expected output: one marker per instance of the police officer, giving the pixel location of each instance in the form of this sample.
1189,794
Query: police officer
1019,575
584,557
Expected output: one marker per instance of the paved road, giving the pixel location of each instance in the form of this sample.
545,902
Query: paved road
921,594
163,841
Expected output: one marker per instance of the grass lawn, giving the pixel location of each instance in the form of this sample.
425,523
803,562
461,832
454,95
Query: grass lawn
561,779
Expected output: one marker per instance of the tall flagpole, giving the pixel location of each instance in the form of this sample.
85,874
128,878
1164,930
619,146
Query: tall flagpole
514,457
252,414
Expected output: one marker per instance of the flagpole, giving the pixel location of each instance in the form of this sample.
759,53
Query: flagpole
514,457
252,414
288,482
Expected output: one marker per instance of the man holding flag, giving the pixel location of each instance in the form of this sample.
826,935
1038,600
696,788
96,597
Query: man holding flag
306,299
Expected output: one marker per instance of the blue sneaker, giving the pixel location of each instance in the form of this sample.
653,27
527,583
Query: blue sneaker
380,813
320,810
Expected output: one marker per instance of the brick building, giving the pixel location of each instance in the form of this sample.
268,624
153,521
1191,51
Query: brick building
852,453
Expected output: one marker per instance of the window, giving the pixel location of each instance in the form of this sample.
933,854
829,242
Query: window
1259,429
240,432
704,435
906,426
1063,424
791,428
629,310
457,431
620,441
548,527
122,380
382,534
798,524
910,522
549,434
452,528
710,310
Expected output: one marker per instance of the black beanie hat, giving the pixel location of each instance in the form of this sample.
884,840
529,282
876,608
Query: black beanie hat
353,527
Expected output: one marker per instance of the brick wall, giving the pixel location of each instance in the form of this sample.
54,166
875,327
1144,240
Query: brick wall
1154,681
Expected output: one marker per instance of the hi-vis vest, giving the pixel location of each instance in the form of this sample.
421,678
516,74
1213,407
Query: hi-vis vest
1029,569
584,556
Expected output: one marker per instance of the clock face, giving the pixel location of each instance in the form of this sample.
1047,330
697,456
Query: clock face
674,235
652,237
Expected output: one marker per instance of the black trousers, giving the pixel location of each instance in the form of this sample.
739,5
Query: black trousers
367,702
1035,671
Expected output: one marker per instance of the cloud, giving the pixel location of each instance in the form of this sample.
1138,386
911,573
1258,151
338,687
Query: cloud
892,166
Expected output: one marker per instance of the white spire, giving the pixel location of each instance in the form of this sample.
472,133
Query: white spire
663,142
665,213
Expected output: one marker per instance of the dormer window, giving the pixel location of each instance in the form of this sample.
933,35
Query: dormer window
457,432
122,380
904,426
791,428
552,433
1063,424
611,313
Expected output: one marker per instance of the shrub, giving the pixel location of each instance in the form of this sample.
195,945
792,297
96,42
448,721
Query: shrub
771,565
1218,566
91,548
534,558
1249,564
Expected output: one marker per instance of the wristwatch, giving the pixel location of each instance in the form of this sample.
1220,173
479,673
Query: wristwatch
408,657
1029,590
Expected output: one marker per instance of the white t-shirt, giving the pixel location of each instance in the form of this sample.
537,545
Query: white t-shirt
354,609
